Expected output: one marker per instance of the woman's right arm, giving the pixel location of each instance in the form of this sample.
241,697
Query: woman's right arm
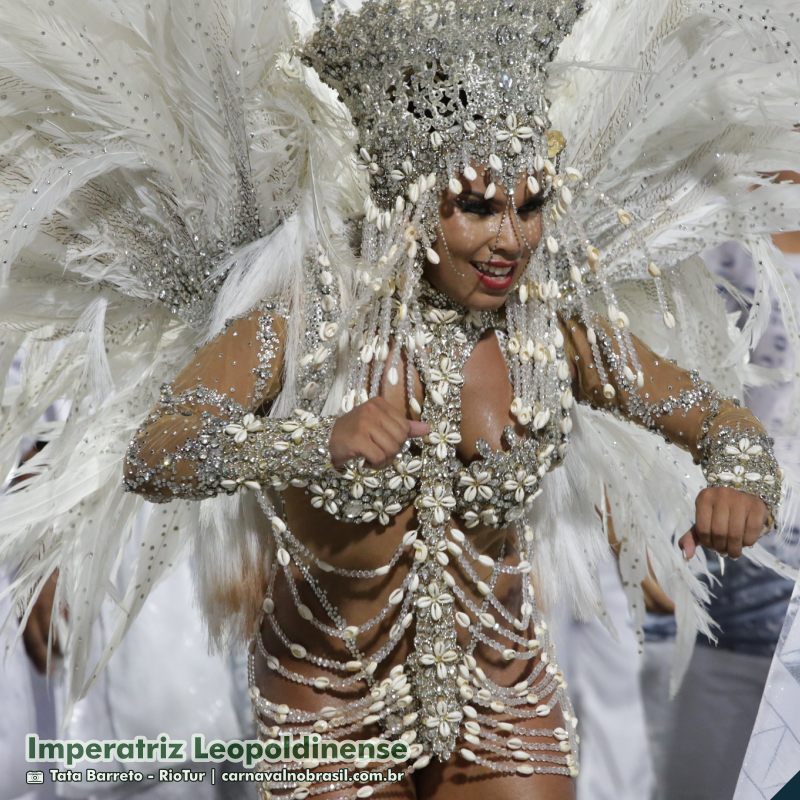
195,442
205,437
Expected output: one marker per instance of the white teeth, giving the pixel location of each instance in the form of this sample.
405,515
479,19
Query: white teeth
487,269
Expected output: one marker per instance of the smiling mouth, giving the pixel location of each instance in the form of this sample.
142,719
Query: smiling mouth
495,269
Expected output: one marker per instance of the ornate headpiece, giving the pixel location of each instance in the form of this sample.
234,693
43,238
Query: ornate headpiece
433,86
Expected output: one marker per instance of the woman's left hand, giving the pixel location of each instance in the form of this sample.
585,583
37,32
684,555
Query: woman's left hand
726,520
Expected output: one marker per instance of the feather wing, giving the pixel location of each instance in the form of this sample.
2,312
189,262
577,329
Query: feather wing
146,151
677,114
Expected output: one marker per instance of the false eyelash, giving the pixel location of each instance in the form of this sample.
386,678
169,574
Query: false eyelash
483,210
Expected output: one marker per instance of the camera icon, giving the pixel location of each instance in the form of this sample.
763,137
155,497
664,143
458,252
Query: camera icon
34,776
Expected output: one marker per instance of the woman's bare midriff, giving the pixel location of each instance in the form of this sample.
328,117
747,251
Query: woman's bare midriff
362,547
486,397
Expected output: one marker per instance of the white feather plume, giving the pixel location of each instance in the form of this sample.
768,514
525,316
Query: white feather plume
134,139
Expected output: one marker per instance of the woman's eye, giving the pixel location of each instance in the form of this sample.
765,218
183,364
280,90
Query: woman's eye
475,207
484,209
530,208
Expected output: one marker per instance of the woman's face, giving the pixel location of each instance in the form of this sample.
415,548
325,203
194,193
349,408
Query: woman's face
484,245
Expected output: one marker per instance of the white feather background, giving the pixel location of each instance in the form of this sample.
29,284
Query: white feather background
679,113
149,153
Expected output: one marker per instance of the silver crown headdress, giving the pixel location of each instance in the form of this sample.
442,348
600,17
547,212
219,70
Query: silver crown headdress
434,86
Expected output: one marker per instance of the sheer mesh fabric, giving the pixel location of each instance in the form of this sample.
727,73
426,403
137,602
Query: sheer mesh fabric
238,371
693,419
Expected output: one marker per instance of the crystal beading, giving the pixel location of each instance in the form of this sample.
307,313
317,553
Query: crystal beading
741,458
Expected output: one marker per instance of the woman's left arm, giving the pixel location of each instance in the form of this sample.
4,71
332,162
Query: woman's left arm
730,444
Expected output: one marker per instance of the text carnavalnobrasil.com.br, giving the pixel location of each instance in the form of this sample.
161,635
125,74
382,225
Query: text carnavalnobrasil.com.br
248,752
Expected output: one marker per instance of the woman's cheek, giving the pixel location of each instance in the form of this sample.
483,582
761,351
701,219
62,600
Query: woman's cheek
468,237
533,231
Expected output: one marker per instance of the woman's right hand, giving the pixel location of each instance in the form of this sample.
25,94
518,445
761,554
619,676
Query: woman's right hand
374,431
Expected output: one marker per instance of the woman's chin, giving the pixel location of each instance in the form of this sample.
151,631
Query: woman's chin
479,296
483,301
489,298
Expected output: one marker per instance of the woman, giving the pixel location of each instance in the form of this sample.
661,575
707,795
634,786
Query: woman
483,250
417,388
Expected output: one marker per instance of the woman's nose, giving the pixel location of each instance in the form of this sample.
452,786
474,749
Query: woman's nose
508,241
